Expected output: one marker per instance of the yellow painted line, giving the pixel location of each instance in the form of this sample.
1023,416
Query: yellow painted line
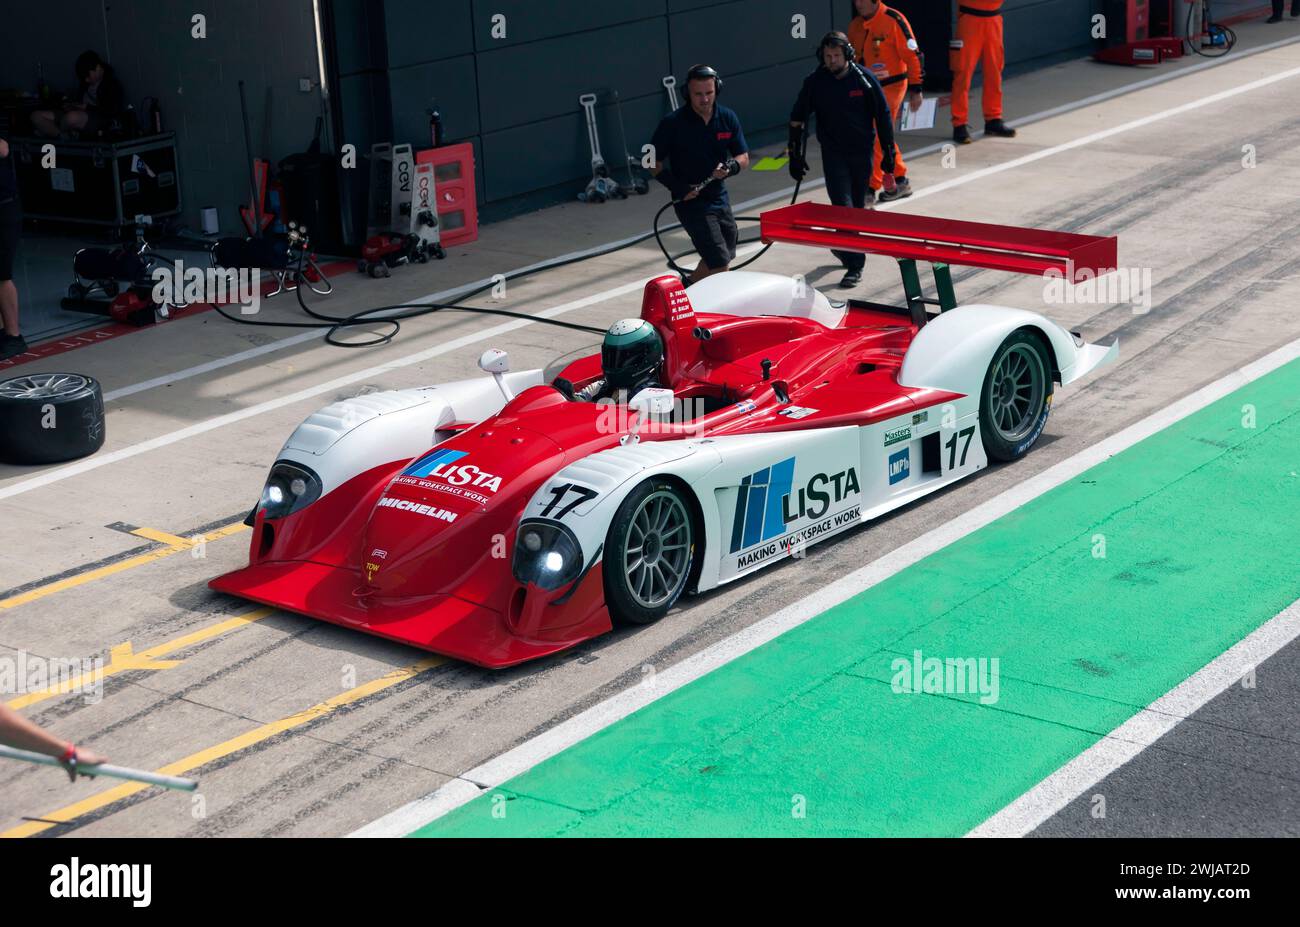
234,745
123,658
174,544
163,537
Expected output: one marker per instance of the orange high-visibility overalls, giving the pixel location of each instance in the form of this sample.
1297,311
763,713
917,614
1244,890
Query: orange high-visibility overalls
979,40
885,46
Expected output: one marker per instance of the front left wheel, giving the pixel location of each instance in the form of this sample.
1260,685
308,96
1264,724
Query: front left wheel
649,550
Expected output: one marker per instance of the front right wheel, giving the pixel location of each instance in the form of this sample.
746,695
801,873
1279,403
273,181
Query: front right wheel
648,553
1016,397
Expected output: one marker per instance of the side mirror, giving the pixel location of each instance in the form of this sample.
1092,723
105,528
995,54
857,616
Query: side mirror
496,362
653,400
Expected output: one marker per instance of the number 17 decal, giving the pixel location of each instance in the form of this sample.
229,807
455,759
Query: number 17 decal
951,445
582,493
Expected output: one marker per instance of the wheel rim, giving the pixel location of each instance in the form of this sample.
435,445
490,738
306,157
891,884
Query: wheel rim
1016,392
43,386
658,550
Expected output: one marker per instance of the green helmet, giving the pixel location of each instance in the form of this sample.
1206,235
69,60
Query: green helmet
631,353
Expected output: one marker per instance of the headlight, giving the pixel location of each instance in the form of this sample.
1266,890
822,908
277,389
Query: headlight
546,555
289,488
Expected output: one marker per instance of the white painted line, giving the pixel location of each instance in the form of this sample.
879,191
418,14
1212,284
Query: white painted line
546,745
455,293
1142,730
62,473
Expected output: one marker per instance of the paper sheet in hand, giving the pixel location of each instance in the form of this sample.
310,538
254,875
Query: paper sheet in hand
923,118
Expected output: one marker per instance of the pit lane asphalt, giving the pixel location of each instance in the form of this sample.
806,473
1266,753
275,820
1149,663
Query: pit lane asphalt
1219,239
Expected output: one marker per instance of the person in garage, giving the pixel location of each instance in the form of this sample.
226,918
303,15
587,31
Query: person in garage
98,102
11,226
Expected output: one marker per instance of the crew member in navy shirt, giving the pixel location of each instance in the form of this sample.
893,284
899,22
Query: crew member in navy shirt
695,150
851,111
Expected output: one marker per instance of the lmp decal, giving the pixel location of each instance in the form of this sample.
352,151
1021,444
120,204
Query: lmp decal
900,466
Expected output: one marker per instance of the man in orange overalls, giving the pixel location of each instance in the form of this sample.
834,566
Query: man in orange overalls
979,40
884,45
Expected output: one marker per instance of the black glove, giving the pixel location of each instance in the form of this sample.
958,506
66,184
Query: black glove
798,165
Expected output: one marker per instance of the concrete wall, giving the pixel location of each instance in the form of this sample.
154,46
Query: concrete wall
514,97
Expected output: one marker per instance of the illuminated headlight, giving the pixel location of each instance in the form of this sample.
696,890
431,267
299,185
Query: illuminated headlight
289,488
546,555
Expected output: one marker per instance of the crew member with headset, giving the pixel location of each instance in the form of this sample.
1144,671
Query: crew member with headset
695,150
979,39
883,43
848,103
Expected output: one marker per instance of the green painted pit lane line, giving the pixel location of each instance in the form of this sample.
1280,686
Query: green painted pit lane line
1198,524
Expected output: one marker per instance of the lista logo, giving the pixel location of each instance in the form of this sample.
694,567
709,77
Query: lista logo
440,464
767,502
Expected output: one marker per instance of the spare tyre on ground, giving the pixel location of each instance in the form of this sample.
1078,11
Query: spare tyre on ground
50,417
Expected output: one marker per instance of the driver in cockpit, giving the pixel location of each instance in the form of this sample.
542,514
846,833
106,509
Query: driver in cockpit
630,358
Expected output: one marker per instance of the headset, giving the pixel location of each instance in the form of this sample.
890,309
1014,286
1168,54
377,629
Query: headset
839,39
700,72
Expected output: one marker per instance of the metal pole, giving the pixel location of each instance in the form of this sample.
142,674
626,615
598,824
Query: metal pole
254,203
113,772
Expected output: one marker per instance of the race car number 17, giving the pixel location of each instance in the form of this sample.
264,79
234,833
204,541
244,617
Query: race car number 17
581,494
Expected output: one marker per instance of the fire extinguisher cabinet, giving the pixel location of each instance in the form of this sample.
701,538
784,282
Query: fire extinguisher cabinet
453,173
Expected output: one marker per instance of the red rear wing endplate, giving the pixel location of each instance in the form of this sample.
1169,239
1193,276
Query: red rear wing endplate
945,241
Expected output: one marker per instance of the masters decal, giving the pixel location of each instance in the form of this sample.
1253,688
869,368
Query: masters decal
898,434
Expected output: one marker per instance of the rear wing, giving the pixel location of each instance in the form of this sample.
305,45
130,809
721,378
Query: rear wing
942,242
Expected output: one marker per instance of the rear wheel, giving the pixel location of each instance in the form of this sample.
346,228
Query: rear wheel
648,553
1016,397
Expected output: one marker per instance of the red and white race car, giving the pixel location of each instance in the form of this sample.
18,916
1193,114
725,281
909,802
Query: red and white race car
498,520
